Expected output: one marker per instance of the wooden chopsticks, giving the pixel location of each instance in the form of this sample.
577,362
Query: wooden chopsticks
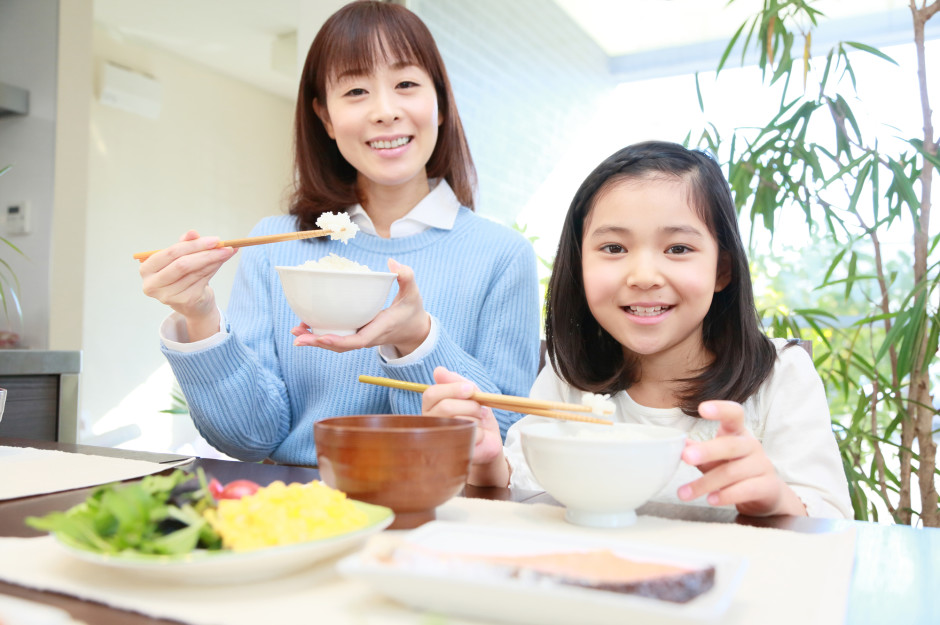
538,407
268,238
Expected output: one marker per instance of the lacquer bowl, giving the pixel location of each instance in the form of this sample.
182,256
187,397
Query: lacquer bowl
409,463
602,473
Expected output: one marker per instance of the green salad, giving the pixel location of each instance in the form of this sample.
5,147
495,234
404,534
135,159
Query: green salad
160,514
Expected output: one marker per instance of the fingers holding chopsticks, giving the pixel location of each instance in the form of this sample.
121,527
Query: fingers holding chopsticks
451,397
179,275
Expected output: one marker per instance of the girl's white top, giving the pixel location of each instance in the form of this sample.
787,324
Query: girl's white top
789,415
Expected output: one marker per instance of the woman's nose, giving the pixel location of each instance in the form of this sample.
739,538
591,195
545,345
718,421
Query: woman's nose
384,108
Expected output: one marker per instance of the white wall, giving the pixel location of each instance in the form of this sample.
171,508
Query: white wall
28,45
217,160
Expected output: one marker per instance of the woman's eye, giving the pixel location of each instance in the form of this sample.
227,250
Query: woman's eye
407,84
358,91
613,248
678,249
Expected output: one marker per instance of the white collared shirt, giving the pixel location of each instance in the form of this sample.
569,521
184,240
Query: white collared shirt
438,209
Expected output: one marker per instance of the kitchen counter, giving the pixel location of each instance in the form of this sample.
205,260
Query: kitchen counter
42,394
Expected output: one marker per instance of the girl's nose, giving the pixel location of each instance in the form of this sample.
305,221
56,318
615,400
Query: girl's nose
644,273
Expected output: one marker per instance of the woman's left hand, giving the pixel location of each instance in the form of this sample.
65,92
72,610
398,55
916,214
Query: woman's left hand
735,469
404,325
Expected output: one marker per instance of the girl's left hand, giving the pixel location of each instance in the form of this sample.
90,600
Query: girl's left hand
404,325
735,468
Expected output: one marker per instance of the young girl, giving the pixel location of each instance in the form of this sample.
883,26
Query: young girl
377,135
650,300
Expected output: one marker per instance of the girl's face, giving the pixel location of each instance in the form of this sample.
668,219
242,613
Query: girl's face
385,124
650,268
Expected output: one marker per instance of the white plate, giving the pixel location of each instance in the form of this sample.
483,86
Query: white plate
539,603
227,567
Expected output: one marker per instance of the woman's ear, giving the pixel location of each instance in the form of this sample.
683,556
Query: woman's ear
723,277
324,116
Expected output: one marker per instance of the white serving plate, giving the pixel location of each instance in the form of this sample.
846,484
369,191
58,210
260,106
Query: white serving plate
230,567
539,603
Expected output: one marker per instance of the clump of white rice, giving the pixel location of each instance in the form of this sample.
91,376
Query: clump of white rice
600,404
339,225
334,262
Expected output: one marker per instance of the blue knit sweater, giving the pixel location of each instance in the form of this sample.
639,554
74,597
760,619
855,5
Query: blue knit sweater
255,395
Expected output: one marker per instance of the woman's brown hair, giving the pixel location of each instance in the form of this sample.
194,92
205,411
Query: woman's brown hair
589,358
355,38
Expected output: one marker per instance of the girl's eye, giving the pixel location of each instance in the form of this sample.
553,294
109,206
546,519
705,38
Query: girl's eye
613,248
678,249
406,84
357,91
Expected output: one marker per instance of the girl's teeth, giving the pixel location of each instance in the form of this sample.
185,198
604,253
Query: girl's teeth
646,311
394,143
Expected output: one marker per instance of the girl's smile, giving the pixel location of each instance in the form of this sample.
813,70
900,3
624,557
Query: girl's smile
647,313
650,267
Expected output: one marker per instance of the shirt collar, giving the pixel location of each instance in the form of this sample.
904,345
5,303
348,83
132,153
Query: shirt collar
438,209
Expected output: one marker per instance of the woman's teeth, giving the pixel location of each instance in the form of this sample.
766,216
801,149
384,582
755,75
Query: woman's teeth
394,143
647,311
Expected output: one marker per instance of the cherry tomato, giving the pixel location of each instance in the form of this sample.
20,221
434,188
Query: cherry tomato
238,489
215,488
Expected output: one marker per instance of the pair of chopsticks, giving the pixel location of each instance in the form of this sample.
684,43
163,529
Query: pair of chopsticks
268,238
538,407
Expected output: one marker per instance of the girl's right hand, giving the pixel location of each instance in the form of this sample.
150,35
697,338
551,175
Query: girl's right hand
178,276
450,397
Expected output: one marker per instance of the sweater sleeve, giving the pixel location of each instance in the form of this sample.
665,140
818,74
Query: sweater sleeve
798,436
236,395
505,352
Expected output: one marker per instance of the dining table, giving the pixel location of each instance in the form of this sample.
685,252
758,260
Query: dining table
895,577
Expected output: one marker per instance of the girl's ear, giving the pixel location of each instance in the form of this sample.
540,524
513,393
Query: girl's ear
723,277
324,116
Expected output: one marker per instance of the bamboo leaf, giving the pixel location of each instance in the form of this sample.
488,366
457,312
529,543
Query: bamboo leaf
919,146
729,48
904,187
850,280
698,93
870,50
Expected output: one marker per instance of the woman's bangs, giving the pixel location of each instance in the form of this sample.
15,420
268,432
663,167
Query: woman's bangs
359,56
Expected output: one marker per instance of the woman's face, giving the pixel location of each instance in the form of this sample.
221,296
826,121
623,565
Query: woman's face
385,124
650,267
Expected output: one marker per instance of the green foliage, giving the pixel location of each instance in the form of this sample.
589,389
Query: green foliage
872,315
546,263
9,283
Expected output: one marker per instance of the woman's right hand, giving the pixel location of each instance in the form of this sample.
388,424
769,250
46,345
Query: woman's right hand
450,397
178,276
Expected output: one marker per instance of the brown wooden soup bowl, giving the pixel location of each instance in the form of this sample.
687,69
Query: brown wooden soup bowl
409,463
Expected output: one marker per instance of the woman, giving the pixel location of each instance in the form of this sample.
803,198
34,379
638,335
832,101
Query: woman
377,136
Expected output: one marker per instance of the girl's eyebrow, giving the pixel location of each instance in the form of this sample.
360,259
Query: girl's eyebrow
620,230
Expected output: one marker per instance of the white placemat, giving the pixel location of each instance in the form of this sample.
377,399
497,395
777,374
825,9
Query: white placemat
27,471
791,577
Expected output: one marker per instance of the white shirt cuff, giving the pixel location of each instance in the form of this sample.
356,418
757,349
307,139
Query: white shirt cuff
174,336
390,355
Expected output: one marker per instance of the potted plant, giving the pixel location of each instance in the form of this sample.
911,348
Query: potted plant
9,285
851,189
